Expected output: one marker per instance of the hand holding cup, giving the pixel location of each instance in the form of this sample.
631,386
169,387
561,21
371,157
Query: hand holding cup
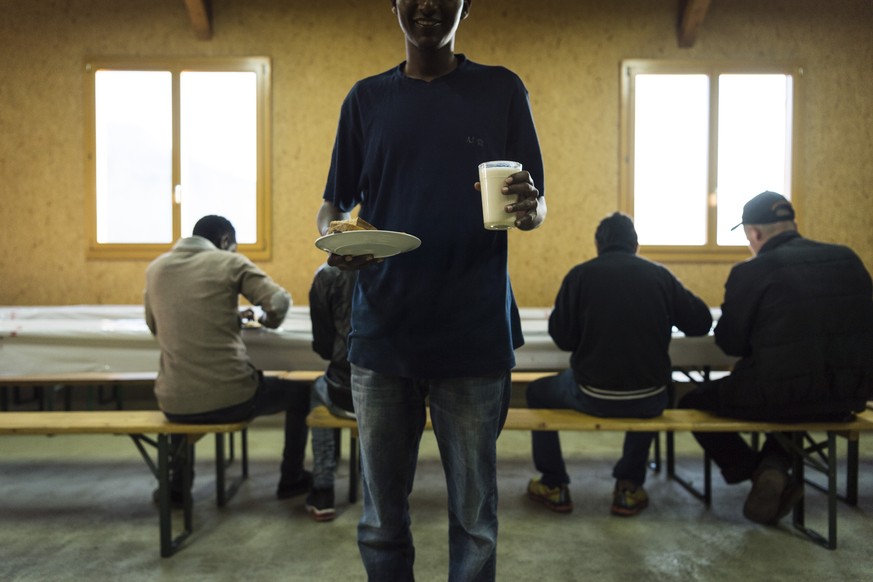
509,197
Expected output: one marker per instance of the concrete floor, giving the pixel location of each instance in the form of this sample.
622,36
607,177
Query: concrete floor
79,508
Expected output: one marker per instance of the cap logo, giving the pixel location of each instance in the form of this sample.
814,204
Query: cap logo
780,209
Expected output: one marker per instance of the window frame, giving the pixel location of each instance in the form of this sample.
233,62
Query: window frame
261,249
710,251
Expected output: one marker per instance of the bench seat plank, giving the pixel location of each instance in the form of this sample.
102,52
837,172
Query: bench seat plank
297,375
671,421
105,422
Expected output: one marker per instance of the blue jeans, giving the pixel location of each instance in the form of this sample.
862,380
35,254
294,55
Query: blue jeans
467,415
324,439
562,391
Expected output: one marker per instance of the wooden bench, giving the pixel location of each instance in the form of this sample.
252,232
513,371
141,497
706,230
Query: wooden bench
297,375
136,425
806,451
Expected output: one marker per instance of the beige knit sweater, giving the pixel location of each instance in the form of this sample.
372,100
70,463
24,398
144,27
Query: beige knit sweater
192,308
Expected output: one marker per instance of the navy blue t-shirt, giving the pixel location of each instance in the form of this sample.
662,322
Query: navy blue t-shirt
408,152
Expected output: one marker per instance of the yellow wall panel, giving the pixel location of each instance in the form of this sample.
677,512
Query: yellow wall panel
567,52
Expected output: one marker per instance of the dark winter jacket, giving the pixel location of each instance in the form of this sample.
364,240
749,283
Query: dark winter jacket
330,305
800,316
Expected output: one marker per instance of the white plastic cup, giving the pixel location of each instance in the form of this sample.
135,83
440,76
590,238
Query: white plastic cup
492,178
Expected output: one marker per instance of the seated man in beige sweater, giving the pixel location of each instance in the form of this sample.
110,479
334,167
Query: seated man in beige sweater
205,375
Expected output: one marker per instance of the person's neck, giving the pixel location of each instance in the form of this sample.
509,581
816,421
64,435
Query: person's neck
429,65
767,241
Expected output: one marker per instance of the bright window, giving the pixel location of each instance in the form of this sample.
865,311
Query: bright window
699,140
172,142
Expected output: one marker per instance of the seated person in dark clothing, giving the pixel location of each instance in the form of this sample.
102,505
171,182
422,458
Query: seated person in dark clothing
205,375
615,313
799,314
330,306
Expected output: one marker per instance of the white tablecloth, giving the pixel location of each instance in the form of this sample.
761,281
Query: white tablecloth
114,338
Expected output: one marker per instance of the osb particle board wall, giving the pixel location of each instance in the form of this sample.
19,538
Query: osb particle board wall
567,52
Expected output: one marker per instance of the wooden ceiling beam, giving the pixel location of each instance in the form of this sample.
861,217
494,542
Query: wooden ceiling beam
199,13
692,13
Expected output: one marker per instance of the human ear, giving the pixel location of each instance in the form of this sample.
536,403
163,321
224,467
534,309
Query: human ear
757,234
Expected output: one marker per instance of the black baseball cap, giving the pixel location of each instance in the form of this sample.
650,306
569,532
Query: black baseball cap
766,208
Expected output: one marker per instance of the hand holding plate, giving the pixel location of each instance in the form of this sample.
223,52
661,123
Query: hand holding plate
351,262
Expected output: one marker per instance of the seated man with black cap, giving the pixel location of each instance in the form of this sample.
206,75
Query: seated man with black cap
799,314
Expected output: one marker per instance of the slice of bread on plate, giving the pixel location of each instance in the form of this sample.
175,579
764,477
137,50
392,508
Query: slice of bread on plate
356,223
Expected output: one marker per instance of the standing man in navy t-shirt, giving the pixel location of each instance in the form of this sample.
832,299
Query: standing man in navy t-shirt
439,323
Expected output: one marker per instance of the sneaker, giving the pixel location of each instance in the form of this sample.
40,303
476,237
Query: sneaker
288,488
555,498
319,504
628,499
771,497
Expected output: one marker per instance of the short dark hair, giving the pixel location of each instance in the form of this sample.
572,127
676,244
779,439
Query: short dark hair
616,231
213,228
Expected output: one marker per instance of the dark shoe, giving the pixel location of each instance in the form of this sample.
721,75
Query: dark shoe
764,502
177,498
628,499
319,504
555,498
288,488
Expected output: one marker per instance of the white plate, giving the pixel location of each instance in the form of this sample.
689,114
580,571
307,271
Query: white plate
379,243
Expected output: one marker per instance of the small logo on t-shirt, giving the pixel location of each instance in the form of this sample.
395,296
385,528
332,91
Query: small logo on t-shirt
476,141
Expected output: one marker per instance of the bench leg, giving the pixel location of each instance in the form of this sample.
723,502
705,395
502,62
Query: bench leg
221,463
224,492
706,494
799,515
187,450
852,458
671,454
832,490
161,470
169,544
707,479
802,456
165,515
852,470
